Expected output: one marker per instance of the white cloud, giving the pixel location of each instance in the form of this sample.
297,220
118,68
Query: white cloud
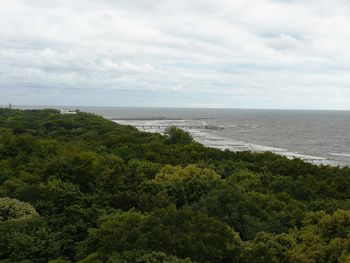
209,52
284,41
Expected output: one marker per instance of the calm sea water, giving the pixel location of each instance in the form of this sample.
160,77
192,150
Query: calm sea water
315,136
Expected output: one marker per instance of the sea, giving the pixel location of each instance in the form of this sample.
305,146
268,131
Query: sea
316,136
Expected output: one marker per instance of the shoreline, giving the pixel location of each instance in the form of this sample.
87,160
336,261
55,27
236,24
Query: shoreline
223,143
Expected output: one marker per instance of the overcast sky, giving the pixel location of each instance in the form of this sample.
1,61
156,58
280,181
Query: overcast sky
182,53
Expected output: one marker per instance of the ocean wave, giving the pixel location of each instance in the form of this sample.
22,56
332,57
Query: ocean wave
340,154
223,143
155,119
304,156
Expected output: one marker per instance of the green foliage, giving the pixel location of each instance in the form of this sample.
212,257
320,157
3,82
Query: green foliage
110,193
27,239
176,135
184,185
183,232
170,174
13,209
323,237
267,247
144,257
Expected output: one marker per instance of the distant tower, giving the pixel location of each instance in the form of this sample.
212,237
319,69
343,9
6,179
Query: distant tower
10,105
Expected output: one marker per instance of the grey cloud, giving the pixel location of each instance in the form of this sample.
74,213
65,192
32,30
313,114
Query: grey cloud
192,49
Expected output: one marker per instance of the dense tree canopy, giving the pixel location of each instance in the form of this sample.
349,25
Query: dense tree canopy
80,188
12,209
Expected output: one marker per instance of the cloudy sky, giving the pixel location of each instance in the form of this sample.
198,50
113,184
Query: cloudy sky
200,53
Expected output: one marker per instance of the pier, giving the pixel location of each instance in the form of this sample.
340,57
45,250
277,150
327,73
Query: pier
154,126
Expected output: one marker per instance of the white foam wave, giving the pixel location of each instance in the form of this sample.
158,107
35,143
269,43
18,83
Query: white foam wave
340,154
210,140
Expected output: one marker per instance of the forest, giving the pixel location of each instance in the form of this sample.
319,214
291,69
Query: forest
81,188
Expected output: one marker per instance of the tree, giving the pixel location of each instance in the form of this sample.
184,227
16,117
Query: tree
175,135
12,209
267,247
23,233
179,232
323,238
140,256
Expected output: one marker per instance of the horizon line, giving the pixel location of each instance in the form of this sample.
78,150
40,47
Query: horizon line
173,107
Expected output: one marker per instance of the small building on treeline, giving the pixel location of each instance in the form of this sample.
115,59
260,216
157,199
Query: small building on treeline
70,111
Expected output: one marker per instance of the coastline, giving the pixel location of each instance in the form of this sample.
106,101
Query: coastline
223,143
315,137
